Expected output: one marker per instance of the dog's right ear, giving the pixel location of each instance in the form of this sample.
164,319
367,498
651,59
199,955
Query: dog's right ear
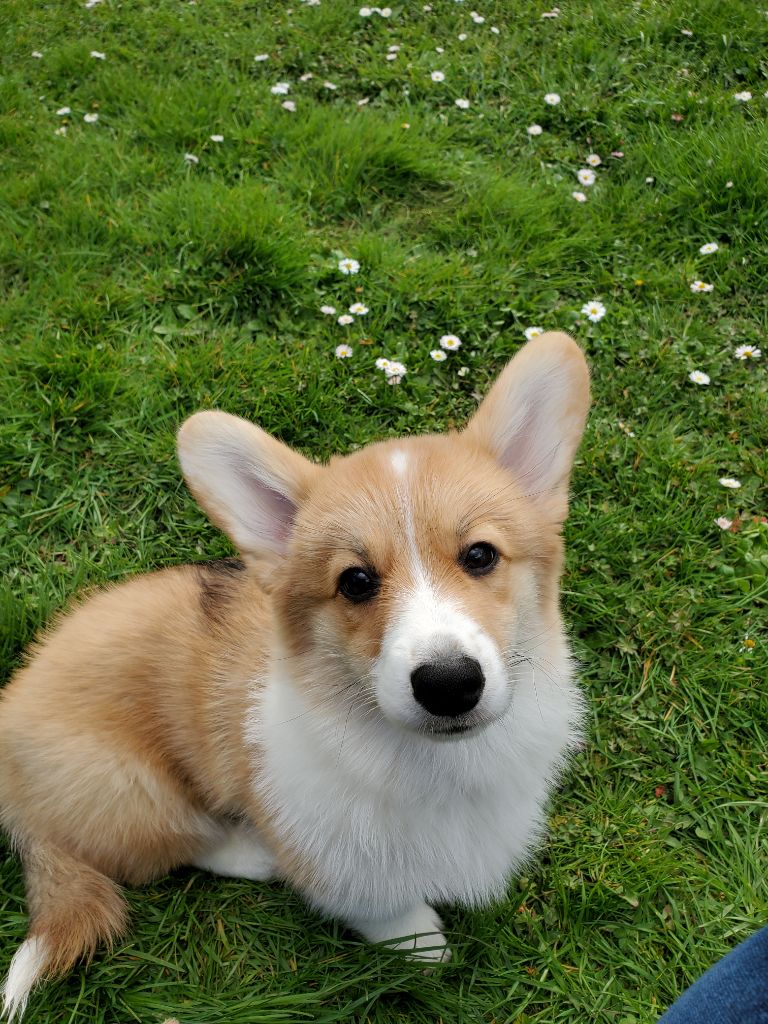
249,483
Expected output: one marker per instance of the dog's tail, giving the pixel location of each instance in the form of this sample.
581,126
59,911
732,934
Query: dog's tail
73,909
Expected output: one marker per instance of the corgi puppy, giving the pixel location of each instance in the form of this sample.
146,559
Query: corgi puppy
372,704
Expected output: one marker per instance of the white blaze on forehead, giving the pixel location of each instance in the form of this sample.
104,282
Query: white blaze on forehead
425,619
399,461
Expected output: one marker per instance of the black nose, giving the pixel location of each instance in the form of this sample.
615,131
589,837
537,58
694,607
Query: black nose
448,686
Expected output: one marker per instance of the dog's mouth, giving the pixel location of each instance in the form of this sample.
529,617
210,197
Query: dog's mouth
449,729
453,730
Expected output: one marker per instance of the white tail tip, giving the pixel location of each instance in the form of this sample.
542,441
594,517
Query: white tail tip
26,968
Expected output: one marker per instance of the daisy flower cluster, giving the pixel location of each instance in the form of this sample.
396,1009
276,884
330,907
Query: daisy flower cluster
448,343
745,353
91,117
393,369
587,176
348,267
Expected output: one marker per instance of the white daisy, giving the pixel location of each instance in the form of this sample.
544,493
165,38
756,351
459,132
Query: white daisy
289,105
593,310
190,158
586,176
90,118
358,309
61,130
395,369
743,97
330,85
729,482
463,371
701,286
551,99
438,355
328,310
724,522
450,342
63,111
686,32
579,197
216,138
37,55
394,48
437,76
348,266
365,12
554,13
385,12
462,104
392,55
594,160
98,55
306,77
534,129
345,320
747,352
343,351
495,30
261,57
462,36
382,363
477,18
533,332
709,247
280,89
698,377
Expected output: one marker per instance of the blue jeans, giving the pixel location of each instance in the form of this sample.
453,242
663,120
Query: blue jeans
734,991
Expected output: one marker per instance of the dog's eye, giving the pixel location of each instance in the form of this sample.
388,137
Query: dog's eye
479,559
358,584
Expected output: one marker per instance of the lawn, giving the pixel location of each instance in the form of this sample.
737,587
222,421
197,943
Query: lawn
174,253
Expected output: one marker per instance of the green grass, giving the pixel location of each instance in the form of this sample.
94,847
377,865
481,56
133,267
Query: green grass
139,287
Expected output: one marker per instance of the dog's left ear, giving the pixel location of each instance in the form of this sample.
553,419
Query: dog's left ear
533,417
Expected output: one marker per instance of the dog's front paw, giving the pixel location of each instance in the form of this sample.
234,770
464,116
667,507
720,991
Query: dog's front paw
418,933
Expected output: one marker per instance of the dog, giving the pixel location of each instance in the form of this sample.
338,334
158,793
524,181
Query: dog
373,703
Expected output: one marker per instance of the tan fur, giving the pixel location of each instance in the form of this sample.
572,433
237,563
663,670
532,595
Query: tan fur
122,751
75,908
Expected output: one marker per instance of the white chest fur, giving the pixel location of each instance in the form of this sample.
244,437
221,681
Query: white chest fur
387,818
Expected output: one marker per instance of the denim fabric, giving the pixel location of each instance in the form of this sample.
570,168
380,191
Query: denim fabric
734,991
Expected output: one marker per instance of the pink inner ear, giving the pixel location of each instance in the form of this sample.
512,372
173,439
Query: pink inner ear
283,513
529,461
267,514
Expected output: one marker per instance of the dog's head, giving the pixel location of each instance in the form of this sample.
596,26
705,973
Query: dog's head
404,574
